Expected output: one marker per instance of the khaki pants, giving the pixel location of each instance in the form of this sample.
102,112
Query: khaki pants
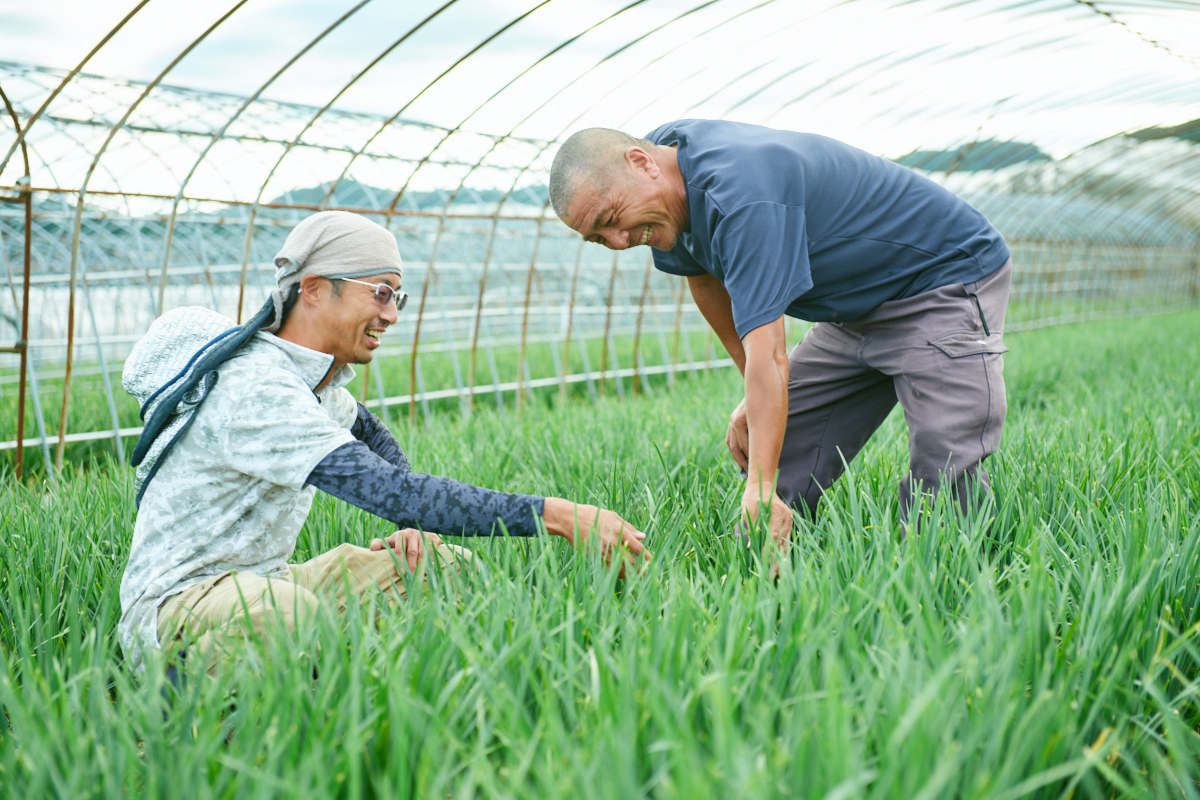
237,602
939,354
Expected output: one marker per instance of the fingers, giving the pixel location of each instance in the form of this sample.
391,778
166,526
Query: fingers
419,546
737,436
406,546
782,522
742,432
408,543
737,445
631,540
625,540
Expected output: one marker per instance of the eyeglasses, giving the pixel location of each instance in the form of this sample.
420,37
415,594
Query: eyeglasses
384,294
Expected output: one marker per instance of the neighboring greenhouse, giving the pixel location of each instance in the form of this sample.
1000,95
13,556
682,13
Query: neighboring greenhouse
143,196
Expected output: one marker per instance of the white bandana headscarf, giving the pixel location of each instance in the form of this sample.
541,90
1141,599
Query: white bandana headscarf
333,244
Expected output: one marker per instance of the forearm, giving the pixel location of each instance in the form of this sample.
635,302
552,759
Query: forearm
766,379
766,417
440,505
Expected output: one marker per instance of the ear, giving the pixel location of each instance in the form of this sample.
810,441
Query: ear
641,162
312,289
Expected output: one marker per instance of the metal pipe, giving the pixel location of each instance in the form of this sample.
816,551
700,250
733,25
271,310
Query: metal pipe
22,345
612,282
562,389
412,378
218,135
104,377
537,238
70,76
62,425
637,332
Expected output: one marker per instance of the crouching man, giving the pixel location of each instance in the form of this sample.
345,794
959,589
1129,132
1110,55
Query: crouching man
244,423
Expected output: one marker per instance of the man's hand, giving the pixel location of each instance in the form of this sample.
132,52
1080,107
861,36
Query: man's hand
408,544
614,535
781,516
737,438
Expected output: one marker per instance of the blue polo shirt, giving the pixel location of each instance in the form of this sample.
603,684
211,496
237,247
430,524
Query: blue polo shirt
803,225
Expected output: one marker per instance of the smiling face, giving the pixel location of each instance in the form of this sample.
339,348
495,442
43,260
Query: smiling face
347,324
355,321
639,206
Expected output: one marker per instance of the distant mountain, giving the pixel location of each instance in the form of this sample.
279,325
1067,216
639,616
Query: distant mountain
1188,131
974,157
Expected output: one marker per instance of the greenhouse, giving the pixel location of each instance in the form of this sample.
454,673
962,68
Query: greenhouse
155,154
144,195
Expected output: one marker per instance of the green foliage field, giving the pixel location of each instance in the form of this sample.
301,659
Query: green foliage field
1048,651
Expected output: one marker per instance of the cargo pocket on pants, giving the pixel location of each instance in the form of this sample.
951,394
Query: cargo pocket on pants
969,343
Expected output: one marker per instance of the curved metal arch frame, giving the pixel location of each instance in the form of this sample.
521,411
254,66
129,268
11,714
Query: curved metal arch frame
1085,185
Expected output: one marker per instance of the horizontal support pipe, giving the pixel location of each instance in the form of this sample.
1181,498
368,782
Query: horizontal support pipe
399,212
91,436
537,383
441,394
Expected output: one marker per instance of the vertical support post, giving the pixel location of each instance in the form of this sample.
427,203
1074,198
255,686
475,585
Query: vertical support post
479,316
25,182
612,283
366,383
381,391
678,328
412,367
491,354
562,384
27,191
104,376
521,369
41,420
637,331
547,318
241,276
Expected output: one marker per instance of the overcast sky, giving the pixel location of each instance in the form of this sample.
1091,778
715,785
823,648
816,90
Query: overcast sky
886,75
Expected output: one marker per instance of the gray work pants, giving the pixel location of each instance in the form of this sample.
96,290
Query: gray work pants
939,354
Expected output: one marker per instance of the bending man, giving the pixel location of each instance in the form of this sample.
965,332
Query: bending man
907,284
243,423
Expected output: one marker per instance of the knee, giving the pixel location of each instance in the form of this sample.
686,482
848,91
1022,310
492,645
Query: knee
346,552
287,603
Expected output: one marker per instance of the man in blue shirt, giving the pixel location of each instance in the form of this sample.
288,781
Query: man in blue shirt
906,282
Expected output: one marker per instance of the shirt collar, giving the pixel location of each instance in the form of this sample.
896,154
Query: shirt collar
312,365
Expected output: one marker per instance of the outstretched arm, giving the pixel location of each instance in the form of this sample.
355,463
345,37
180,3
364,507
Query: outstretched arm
410,499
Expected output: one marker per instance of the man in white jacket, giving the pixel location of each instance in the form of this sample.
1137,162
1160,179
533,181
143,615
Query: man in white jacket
254,422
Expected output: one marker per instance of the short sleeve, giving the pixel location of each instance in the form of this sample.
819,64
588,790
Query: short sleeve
278,431
763,250
677,261
340,405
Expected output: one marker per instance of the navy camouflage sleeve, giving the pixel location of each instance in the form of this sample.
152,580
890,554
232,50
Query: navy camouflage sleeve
370,430
410,499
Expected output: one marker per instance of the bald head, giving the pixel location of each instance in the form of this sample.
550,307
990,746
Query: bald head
595,156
